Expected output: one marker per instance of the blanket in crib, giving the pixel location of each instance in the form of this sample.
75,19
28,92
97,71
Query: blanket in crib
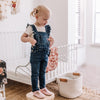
53,59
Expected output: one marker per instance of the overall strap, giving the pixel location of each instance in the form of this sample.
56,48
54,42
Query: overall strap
48,29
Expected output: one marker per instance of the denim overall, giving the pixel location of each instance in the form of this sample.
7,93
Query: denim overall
39,57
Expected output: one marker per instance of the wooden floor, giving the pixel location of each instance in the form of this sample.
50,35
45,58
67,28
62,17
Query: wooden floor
18,91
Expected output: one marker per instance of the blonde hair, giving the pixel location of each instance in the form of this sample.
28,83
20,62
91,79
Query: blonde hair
38,10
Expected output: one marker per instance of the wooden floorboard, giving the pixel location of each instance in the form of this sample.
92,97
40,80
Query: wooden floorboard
16,90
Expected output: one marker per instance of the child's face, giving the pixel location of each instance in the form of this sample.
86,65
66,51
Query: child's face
43,19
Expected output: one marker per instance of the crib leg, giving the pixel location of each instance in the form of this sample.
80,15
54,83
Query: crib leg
2,89
4,92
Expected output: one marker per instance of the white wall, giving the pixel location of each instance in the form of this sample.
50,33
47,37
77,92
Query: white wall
81,56
71,22
92,51
93,56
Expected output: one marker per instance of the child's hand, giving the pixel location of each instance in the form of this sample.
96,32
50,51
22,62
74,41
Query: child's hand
51,41
32,41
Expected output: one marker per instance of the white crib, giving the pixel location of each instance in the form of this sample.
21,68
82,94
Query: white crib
16,54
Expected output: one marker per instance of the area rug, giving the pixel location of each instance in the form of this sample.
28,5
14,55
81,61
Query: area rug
88,94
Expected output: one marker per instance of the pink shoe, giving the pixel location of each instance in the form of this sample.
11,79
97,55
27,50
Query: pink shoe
39,94
46,92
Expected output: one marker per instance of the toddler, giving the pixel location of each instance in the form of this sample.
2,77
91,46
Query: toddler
38,34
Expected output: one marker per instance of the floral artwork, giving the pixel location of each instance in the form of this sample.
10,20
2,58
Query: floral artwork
13,5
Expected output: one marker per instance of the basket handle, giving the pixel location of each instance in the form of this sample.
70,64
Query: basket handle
76,74
63,80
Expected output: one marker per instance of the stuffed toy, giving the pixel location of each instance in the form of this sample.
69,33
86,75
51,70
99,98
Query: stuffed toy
15,6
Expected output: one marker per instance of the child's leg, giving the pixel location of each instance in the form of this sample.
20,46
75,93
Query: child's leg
43,66
43,88
35,66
